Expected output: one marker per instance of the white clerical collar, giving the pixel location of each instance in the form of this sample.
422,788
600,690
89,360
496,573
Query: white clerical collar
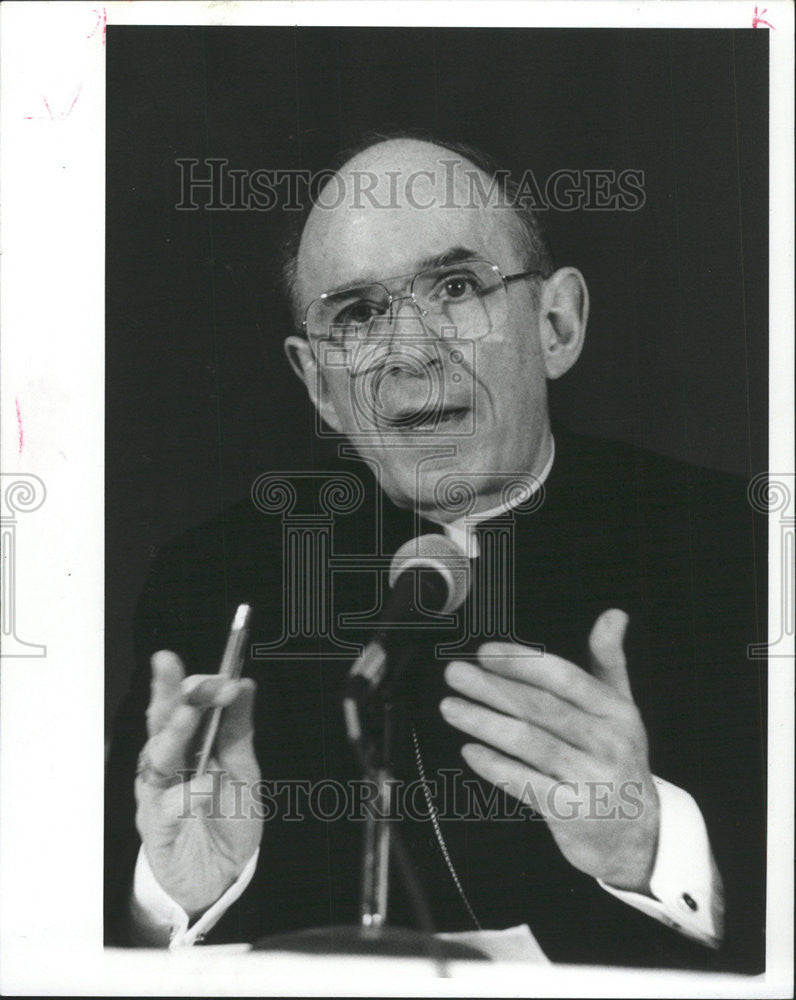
462,531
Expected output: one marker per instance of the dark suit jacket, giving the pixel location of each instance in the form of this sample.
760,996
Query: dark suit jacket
672,545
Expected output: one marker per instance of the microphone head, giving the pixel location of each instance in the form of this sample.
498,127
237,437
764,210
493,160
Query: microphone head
440,554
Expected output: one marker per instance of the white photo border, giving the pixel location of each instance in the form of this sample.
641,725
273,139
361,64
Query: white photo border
52,185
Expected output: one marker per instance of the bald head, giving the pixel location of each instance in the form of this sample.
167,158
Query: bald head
393,190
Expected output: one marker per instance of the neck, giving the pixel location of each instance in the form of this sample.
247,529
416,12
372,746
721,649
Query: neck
495,498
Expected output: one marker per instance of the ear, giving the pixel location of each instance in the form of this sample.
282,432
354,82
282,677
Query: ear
564,313
305,365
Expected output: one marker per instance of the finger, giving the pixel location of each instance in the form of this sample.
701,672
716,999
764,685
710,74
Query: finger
608,662
168,750
523,740
522,782
167,675
235,733
547,671
206,690
524,701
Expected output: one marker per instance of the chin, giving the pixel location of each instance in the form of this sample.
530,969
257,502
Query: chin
443,489
425,481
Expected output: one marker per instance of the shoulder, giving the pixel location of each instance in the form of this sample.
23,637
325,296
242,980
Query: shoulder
691,523
600,455
243,546
203,557
624,472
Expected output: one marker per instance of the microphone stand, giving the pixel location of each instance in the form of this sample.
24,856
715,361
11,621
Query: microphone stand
382,840
375,875
382,837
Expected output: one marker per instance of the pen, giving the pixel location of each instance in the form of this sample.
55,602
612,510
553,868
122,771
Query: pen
231,667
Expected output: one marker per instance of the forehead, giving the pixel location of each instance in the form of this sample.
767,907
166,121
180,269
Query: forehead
418,205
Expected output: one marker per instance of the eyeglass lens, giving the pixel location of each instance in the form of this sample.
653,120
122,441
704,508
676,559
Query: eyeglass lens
462,300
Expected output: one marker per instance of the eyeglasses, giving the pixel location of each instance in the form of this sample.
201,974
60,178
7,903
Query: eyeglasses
467,299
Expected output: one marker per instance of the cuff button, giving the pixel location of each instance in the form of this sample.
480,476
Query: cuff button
690,902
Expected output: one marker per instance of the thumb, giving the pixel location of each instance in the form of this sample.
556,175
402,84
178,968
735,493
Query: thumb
608,662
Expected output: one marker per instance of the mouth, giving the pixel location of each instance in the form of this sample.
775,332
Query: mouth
426,421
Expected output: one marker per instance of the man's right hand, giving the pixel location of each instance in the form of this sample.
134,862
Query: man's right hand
198,832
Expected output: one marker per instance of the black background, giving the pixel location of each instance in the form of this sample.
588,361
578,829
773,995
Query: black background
199,397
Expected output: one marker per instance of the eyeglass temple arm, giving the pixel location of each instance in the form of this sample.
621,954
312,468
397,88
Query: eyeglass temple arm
522,274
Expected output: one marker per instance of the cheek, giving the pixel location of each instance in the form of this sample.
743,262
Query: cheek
513,377
339,393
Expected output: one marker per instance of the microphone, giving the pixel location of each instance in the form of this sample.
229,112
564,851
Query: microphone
428,574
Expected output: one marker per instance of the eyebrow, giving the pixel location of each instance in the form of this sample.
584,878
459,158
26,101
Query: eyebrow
451,256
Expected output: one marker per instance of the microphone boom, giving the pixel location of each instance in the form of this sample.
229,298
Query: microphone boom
429,575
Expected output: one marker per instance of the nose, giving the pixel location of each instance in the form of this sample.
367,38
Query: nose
409,380
410,345
407,319
401,343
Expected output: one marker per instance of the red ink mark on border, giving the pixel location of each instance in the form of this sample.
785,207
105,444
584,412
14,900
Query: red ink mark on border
757,19
62,114
20,428
56,116
102,19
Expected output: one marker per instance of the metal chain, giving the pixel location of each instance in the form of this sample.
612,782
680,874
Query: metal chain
438,831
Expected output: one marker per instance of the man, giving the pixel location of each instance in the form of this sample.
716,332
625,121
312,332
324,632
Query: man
613,695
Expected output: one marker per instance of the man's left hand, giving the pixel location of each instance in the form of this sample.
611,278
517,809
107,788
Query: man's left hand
569,743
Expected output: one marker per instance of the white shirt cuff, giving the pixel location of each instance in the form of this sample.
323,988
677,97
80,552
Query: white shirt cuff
159,921
686,884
